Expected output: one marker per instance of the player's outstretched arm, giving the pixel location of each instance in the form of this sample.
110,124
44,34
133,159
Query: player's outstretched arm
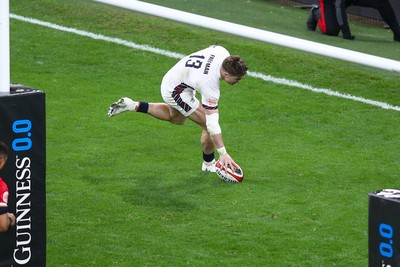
213,127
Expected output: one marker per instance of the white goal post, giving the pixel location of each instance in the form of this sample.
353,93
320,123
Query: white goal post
257,34
4,46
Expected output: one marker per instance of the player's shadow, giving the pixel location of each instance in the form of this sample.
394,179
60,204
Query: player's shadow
154,191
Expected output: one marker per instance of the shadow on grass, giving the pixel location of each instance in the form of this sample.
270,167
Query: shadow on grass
166,193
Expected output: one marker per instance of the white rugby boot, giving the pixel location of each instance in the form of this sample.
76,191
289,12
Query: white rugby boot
208,166
122,105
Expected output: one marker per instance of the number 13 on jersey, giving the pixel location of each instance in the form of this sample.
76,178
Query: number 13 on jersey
194,62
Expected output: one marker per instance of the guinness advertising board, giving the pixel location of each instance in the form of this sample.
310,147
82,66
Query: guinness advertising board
384,228
23,131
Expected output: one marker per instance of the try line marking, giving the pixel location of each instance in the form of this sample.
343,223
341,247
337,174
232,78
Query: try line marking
267,78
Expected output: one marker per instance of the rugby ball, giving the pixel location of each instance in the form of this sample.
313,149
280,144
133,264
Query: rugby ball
232,174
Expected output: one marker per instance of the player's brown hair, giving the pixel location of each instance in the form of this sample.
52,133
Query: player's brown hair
235,66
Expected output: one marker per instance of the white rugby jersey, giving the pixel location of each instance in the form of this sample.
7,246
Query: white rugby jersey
200,71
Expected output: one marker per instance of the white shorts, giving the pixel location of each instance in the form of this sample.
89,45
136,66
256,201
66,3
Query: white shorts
181,97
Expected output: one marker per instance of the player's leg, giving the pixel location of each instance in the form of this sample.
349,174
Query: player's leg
313,18
161,111
178,105
199,117
327,21
208,152
185,104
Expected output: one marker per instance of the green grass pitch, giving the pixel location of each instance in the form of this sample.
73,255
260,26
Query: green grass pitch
128,190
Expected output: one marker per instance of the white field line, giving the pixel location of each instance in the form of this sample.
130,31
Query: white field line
148,48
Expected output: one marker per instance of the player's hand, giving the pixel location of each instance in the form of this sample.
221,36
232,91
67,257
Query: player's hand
227,160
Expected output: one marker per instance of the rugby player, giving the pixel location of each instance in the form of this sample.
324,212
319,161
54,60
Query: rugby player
199,72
